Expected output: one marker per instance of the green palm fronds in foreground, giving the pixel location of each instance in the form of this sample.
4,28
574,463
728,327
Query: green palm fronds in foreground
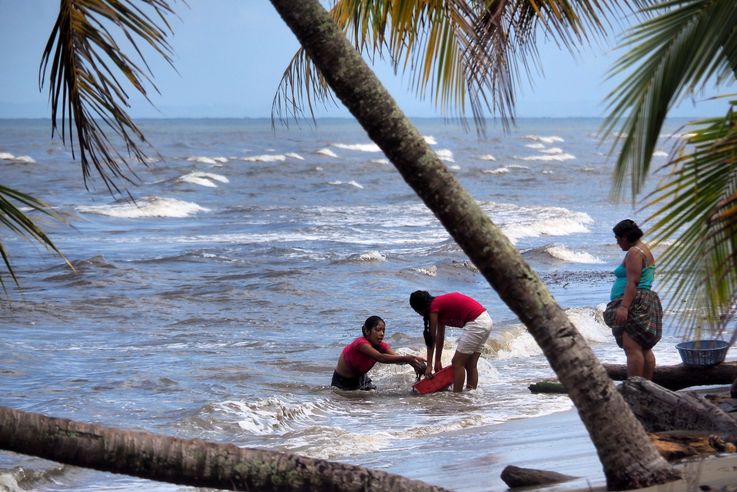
21,224
697,203
456,52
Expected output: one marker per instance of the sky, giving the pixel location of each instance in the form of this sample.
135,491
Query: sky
230,54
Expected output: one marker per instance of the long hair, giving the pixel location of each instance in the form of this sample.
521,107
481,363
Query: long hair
420,301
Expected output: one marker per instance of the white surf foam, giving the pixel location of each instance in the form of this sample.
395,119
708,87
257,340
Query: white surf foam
372,256
547,140
548,157
208,160
146,207
523,222
370,147
430,140
7,156
535,146
294,155
203,179
326,152
589,324
265,158
487,157
381,161
445,155
498,170
353,183
565,254
431,271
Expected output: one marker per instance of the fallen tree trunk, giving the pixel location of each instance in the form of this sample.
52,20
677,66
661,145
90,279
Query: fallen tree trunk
515,476
682,376
672,377
185,461
660,409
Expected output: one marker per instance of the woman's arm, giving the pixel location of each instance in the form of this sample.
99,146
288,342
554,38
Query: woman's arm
388,357
439,341
633,265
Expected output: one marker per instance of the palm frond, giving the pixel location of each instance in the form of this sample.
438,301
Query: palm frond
456,51
88,71
696,202
675,53
22,225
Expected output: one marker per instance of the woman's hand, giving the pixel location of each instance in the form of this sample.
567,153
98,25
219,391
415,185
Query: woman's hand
621,314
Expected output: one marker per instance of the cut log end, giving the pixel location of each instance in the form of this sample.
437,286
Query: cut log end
515,476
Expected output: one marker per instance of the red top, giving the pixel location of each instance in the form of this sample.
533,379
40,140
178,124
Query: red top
455,309
357,360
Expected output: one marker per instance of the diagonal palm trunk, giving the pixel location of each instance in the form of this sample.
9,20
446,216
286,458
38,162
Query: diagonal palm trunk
628,458
187,461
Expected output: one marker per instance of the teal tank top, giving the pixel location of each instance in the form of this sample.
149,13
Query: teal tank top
620,281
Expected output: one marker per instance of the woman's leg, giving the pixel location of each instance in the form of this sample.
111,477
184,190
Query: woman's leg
635,356
459,370
648,370
472,371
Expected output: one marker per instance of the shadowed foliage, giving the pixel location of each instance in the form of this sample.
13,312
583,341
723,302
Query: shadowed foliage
684,47
456,52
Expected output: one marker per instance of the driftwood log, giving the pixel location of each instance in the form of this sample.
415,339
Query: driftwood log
671,377
660,409
515,476
682,376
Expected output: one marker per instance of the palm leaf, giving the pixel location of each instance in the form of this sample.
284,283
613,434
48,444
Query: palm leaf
21,224
697,202
683,46
457,51
89,73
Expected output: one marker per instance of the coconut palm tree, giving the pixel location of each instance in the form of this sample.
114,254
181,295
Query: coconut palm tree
187,461
685,46
628,458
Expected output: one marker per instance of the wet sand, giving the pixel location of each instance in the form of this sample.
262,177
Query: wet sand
558,442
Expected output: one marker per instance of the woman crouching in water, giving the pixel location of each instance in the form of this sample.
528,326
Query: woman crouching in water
457,310
359,356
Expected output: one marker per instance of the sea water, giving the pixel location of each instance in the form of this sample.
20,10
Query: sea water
216,303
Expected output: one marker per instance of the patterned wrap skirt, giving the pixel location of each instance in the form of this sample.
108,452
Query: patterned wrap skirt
644,322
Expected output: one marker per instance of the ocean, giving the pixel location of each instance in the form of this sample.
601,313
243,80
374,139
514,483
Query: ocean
215,305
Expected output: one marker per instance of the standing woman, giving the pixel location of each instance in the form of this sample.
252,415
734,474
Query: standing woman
634,313
457,310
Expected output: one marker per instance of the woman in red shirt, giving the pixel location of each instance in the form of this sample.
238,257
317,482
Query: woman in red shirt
359,356
457,310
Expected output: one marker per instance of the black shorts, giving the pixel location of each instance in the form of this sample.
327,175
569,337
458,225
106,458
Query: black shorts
362,382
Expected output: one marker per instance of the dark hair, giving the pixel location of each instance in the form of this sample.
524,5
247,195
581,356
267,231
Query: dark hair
420,301
628,230
371,323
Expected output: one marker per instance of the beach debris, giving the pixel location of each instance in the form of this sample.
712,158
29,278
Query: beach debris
660,409
547,386
515,476
676,445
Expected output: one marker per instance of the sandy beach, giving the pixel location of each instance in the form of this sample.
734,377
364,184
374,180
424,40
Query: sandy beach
557,442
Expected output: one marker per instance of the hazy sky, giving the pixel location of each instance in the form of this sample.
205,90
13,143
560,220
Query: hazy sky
230,54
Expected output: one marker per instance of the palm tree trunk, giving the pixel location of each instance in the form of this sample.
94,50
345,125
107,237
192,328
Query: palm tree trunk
628,457
184,461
